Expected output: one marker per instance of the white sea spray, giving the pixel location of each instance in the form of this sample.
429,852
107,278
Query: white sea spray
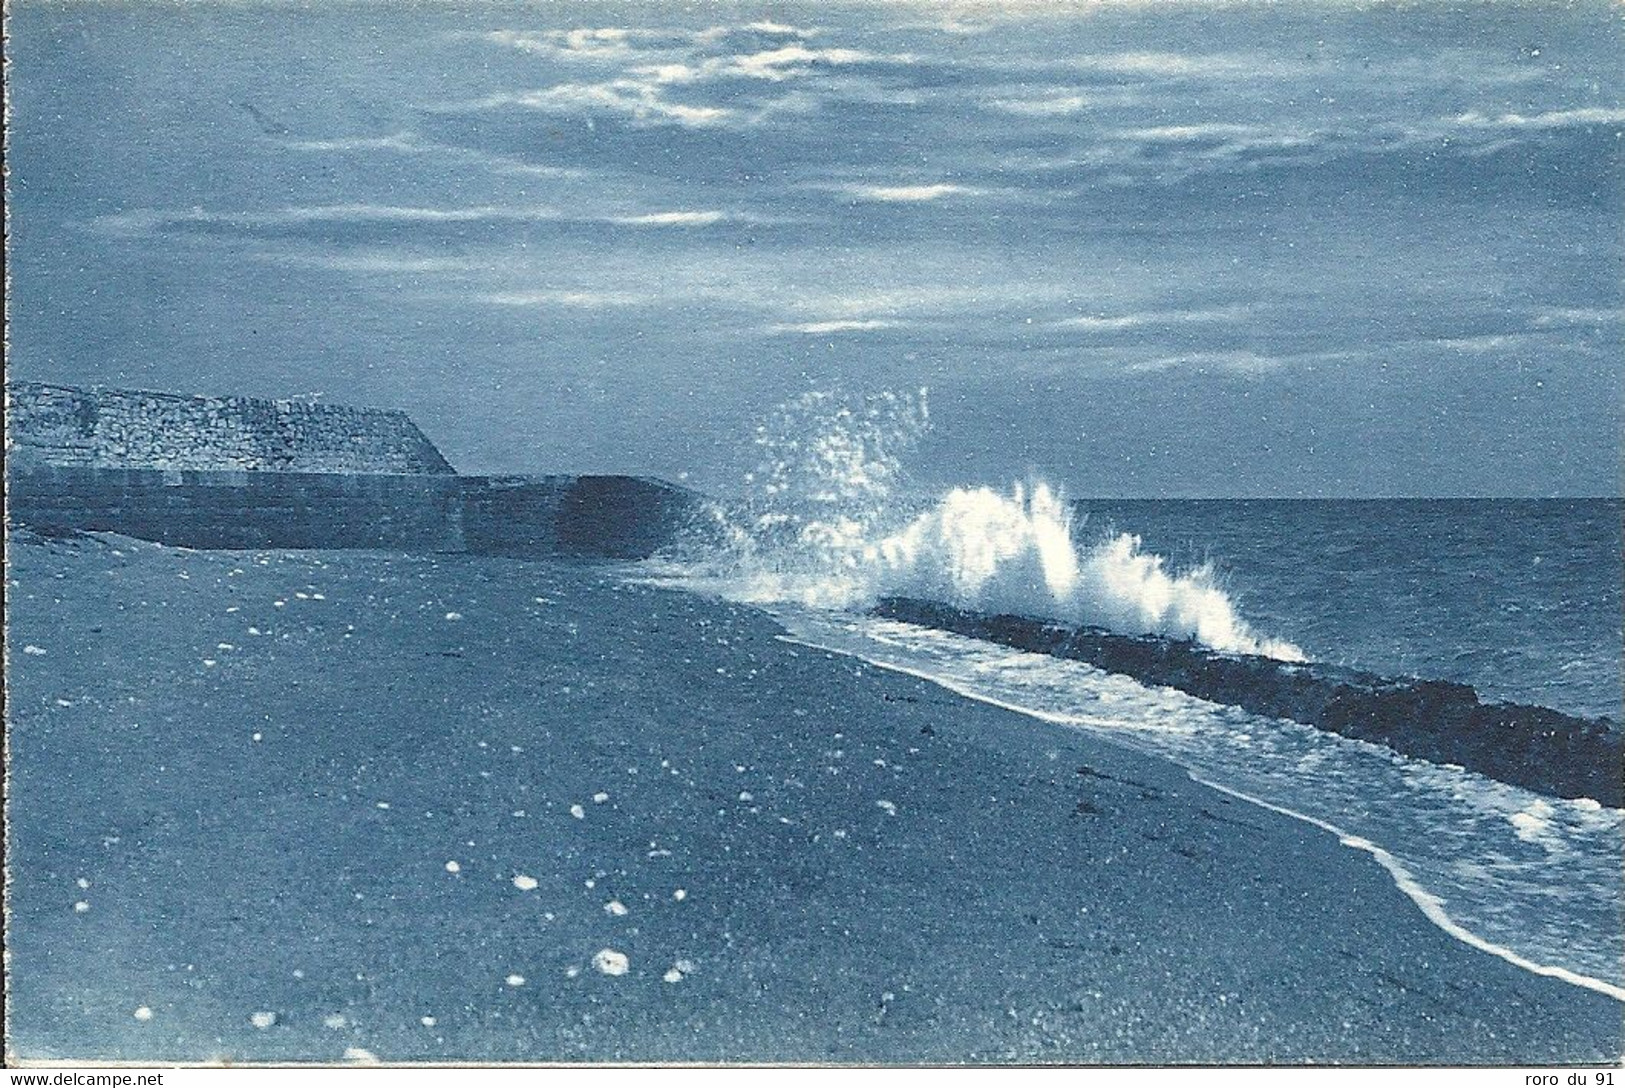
832,518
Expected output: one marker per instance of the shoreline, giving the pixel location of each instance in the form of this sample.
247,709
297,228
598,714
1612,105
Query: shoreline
873,869
1429,904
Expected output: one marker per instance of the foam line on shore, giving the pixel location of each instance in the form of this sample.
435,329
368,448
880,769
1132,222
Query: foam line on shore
1430,905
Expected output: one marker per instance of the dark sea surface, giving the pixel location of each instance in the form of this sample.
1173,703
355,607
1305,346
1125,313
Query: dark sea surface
1519,598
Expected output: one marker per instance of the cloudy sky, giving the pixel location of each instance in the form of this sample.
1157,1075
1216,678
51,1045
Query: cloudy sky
1303,249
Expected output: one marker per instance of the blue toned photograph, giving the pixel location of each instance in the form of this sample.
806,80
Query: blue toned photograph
867,534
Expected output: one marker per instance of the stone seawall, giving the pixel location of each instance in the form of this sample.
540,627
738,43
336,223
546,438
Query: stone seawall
241,509
238,472
110,428
620,517
615,517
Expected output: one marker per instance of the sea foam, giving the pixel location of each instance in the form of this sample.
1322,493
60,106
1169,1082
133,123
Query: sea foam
831,520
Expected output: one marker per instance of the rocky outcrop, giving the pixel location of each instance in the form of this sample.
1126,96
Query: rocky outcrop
1443,722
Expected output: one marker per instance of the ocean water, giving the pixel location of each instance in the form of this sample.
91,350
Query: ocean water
1519,599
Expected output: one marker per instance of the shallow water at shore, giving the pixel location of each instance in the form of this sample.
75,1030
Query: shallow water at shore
1533,878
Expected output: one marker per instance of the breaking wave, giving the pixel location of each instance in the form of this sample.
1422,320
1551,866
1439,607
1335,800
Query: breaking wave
831,519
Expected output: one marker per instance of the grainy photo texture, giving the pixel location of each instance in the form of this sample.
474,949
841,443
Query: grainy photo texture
865,533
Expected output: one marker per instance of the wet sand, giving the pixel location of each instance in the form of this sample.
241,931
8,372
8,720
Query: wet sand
421,811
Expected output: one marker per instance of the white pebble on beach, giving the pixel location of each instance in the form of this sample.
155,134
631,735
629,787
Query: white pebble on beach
262,1020
524,883
578,812
515,980
615,907
142,1013
610,962
453,867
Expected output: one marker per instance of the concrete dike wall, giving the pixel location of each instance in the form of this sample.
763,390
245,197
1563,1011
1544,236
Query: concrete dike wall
241,509
616,517
611,517
236,472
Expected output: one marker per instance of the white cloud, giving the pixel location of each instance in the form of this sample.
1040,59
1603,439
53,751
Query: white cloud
375,263
1183,65
1487,342
1557,316
1150,319
775,65
639,100
1203,362
947,25
584,43
1182,151
147,221
1590,115
768,26
399,141
587,300
1206,130
909,193
1055,105
408,143
818,328
671,219
618,44
790,60
337,213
